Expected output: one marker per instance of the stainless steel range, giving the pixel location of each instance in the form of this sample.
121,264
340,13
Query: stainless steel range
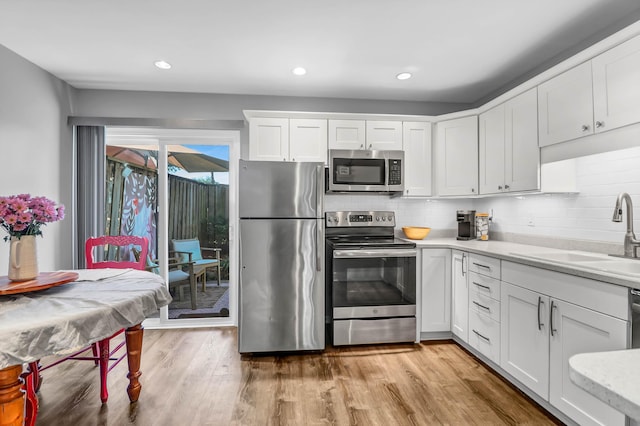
371,279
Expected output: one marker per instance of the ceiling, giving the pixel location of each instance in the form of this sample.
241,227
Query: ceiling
458,50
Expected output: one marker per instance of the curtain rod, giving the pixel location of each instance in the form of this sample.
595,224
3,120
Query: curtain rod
169,123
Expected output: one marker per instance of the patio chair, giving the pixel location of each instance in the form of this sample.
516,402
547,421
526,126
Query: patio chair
190,250
103,356
180,274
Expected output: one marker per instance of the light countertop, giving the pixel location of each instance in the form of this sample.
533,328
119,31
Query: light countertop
527,254
613,377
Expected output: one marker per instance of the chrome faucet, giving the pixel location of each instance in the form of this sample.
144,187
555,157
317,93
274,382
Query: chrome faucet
630,242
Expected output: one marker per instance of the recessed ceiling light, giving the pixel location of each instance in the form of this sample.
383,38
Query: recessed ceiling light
299,71
403,76
163,65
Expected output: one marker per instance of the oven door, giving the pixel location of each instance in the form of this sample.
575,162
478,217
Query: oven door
373,283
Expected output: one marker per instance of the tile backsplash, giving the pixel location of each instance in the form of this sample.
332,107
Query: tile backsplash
585,215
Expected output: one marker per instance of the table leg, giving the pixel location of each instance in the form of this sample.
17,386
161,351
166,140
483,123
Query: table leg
133,337
12,399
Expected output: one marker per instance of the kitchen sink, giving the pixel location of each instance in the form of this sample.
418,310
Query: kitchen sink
615,266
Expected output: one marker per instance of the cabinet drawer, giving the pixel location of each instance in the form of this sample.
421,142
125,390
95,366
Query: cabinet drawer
484,335
484,304
484,265
484,285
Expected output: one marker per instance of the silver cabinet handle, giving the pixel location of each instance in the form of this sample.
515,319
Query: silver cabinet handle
599,124
551,318
506,186
361,146
473,190
585,127
463,264
500,187
540,302
482,306
479,265
486,287
481,336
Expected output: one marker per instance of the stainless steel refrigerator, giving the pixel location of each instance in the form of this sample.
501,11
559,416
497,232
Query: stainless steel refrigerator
281,257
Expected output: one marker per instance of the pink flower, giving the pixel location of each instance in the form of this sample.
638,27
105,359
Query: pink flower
25,215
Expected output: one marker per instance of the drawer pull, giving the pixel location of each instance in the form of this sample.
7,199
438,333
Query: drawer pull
482,306
481,336
479,265
553,330
486,287
540,302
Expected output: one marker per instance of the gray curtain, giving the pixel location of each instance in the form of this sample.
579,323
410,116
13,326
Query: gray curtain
90,186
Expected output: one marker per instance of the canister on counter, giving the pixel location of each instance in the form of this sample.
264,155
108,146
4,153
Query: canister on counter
482,226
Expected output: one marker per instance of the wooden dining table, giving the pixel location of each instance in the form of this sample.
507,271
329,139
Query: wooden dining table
90,305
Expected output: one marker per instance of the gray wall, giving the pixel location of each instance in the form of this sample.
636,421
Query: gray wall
37,150
113,103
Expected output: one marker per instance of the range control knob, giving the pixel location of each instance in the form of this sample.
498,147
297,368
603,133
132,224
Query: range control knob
384,218
377,218
390,218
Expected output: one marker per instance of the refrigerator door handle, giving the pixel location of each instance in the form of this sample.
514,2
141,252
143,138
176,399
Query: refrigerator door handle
319,244
319,190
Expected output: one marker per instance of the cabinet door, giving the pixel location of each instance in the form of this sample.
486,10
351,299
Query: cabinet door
457,156
491,155
524,337
269,139
616,92
459,295
575,330
416,143
384,135
436,290
308,140
346,134
565,106
521,151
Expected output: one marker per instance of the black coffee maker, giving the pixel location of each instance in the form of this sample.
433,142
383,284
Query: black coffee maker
466,224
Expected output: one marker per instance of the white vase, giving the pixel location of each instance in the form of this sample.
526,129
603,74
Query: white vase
23,260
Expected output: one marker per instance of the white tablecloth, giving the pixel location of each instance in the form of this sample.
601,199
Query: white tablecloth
65,318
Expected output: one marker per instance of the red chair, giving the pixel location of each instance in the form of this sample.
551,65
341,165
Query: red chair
117,246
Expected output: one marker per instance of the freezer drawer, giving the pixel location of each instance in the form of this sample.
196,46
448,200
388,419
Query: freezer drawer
369,331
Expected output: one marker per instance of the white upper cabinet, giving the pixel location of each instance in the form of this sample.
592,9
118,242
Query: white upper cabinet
384,135
509,157
269,139
416,143
491,140
369,134
308,140
346,134
616,87
283,139
521,151
457,156
565,106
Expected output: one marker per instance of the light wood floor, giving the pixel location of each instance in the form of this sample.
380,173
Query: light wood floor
197,377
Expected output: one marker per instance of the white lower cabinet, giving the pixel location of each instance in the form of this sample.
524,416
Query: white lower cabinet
573,330
460,294
436,290
540,333
524,342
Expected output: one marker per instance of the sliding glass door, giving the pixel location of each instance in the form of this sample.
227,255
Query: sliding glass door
177,188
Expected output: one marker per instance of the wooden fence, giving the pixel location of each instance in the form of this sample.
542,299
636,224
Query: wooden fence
196,210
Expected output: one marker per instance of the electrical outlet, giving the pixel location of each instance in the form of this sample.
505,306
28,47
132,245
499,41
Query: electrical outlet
531,222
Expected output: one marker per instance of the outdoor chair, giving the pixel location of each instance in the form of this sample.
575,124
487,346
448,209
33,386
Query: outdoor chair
103,356
180,274
190,250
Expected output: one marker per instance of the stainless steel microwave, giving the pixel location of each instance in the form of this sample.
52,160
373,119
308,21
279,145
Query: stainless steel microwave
365,171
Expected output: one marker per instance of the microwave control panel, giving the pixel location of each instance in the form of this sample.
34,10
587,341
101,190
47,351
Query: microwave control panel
395,172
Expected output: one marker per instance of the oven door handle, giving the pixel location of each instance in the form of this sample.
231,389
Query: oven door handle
355,254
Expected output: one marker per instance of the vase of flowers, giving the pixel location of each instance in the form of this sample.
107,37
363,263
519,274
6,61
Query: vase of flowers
23,217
